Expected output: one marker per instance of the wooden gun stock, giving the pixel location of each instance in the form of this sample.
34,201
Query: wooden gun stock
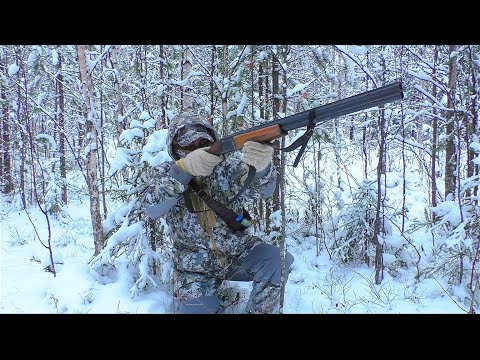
266,134
260,135
280,127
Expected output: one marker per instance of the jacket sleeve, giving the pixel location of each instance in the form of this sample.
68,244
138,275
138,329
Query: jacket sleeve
166,183
265,181
263,184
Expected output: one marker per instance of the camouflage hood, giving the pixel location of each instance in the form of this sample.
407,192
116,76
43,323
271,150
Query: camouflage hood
187,122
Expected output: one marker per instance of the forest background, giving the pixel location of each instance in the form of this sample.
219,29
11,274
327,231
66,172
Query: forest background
389,192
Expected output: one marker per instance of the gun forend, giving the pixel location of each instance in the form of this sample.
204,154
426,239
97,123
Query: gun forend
266,134
236,142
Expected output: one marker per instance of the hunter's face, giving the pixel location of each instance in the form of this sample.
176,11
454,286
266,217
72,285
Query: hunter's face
189,139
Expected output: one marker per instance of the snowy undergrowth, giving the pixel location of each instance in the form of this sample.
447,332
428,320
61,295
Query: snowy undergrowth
316,285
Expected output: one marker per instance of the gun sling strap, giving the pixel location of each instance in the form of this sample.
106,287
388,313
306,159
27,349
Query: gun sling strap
301,141
238,222
234,221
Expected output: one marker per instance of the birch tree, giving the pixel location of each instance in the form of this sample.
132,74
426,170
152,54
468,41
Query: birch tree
91,148
59,113
5,167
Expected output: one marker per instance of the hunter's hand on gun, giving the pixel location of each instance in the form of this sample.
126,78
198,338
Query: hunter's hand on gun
199,162
257,154
310,118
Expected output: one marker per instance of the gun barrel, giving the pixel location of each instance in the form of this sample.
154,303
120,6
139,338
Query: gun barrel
363,101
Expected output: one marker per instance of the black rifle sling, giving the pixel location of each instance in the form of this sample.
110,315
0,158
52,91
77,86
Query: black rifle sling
302,140
234,221
246,183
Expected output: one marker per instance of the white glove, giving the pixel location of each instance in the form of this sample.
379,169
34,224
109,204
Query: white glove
257,154
199,162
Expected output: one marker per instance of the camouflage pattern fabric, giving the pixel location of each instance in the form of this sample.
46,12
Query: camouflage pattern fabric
184,129
198,268
188,134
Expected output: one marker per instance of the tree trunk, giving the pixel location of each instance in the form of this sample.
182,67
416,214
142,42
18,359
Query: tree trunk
142,69
275,109
225,91
263,208
266,114
434,136
283,235
92,143
162,119
119,120
450,151
101,153
378,210
6,166
23,136
472,125
212,84
61,128
186,91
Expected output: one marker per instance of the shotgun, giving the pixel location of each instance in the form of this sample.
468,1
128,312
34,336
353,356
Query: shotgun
310,118
276,129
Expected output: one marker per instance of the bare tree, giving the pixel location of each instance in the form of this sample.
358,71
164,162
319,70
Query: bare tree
275,110
434,136
162,99
225,91
5,167
379,211
91,151
212,83
472,125
60,111
450,152
119,120
283,235
23,136
186,101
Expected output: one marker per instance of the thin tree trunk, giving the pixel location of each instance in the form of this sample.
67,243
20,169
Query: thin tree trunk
101,154
263,207
252,84
119,120
162,120
266,102
225,91
434,136
186,92
61,129
450,152
23,151
472,126
90,119
378,210
6,167
281,242
212,84
404,171
30,134
142,66
275,109
261,90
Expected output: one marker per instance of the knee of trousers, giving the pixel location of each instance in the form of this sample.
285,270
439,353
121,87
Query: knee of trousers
264,262
199,305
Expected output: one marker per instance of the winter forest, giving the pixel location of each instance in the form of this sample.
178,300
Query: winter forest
382,207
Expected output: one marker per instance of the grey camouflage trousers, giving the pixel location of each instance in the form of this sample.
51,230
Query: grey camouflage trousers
196,293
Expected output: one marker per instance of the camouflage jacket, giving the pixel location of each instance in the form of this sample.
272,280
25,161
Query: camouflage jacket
192,244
